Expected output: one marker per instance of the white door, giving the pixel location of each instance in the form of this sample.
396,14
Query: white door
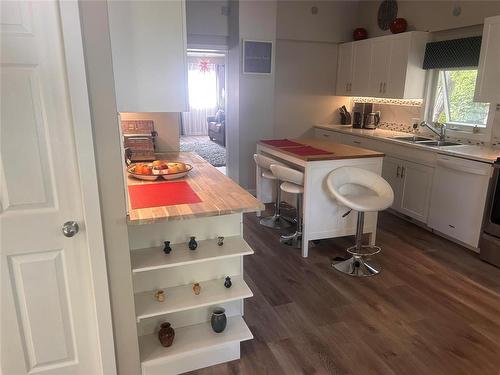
391,172
416,190
344,70
360,69
379,66
48,321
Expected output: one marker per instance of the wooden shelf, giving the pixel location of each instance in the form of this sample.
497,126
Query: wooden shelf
192,339
182,298
154,258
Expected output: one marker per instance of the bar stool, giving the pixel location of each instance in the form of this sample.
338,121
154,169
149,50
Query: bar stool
376,195
275,221
293,182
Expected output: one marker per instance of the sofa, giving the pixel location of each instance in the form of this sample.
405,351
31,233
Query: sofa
217,128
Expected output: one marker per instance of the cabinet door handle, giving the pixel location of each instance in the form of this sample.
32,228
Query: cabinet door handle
325,135
403,170
397,171
357,142
380,87
346,87
383,88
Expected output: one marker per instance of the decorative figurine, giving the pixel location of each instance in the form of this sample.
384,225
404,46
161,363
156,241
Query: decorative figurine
220,240
166,334
192,243
228,282
167,249
218,320
196,288
160,295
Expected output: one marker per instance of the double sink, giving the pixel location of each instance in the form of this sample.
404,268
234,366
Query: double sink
426,141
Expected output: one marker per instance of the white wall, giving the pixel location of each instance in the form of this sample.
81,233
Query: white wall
166,124
304,91
429,15
100,81
257,21
207,23
333,22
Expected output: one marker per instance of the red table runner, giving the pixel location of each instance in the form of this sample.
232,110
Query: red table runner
280,143
306,151
161,194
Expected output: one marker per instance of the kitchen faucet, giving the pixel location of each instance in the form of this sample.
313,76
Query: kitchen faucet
437,128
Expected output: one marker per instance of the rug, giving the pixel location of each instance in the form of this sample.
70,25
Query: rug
212,152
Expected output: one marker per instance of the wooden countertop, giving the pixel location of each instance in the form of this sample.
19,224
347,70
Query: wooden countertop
336,151
218,193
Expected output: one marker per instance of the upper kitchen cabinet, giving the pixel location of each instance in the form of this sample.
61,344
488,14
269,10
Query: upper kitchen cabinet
488,74
395,66
352,75
148,44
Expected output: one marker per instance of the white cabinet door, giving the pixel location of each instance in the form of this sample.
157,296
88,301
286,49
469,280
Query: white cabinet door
344,71
148,41
488,75
394,84
379,66
416,190
360,69
391,172
48,320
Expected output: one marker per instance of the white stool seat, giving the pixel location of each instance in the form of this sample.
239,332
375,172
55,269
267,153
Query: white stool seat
376,196
268,174
290,187
363,191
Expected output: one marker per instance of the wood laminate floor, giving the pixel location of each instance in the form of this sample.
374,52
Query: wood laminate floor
434,309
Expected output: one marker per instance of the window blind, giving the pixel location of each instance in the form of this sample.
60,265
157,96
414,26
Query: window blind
455,53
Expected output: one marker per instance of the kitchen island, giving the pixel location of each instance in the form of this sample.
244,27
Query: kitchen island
322,216
217,212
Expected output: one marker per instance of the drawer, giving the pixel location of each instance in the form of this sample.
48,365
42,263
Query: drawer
326,134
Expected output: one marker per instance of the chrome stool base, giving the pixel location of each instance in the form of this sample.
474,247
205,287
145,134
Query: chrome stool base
274,222
358,267
292,239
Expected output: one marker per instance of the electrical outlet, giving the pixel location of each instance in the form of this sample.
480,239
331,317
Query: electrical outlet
498,107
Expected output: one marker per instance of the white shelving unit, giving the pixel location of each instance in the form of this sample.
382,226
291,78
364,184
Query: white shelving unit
154,258
192,339
195,344
182,298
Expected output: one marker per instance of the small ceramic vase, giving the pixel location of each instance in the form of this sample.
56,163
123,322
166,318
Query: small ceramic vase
167,249
220,240
218,320
166,334
228,282
196,288
192,243
160,295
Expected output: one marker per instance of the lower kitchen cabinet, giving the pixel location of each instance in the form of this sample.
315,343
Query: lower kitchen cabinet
412,185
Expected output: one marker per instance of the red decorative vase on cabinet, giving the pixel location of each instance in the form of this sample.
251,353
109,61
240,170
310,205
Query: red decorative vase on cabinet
399,25
359,34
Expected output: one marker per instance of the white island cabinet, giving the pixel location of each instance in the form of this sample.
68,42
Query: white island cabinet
219,213
148,44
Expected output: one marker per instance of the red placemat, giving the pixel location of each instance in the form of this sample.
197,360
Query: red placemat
280,142
306,151
161,194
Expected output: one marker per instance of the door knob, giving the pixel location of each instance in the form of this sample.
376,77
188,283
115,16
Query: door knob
70,228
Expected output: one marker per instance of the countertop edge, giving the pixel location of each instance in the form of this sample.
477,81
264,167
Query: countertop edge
441,151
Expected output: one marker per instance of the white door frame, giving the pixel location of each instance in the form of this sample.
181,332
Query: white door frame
80,111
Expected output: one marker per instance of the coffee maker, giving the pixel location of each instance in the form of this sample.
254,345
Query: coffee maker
361,112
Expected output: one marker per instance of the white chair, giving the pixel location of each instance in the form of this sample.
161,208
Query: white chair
275,221
293,182
375,194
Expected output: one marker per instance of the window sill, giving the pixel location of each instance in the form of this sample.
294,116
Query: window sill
483,135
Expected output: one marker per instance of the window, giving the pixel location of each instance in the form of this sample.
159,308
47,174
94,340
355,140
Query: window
453,99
